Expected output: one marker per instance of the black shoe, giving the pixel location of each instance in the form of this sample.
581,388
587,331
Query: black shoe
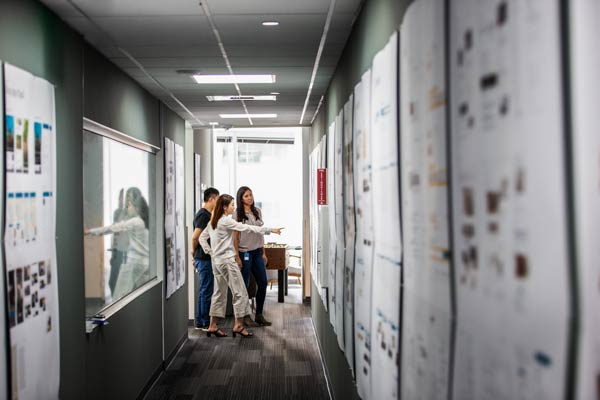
248,322
218,333
204,328
260,319
243,333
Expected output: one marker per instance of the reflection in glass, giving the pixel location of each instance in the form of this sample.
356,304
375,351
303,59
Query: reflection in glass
119,219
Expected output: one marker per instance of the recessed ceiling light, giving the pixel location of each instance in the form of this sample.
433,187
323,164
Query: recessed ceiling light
232,116
270,23
212,79
238,98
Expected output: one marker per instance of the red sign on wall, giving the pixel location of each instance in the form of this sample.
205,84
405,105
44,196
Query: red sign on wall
322,186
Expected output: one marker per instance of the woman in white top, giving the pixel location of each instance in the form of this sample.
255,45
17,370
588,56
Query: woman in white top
135,269
225,269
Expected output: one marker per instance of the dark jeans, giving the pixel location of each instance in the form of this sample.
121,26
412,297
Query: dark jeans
207,280
116,259
254,263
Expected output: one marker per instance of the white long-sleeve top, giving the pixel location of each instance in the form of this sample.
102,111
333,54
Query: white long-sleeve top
221,247
138,237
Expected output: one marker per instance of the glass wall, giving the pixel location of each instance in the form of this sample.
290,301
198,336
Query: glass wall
119,220
268,161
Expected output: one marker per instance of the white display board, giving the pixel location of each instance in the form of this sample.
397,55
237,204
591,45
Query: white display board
426,301
363,207
323,229
349,234
585,61
30,235
508,192
174,219
3,329
338,201
385,320
331,224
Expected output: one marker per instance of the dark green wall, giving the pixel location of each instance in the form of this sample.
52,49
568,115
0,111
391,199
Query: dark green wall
33,38
118,360
117,101
377,21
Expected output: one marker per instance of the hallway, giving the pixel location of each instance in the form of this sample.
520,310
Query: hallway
281,361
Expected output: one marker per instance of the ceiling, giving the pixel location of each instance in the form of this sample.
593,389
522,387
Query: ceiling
160,43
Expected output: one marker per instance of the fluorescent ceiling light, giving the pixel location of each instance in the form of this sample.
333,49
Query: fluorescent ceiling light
234,78
213,123
238,98
275,93
270,23
232,116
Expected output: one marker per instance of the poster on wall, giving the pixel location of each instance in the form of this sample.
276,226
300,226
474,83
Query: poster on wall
426,300
339,227
3,330
323,233
331,194
349,235
30,235
385,321
363,252
585,61
509,223
174,219
197,183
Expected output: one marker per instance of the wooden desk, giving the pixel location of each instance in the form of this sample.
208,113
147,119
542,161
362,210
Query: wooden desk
278,259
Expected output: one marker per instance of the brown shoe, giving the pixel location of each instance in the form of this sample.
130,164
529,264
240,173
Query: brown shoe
248,322
261,320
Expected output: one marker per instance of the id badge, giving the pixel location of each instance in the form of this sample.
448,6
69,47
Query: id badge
246,256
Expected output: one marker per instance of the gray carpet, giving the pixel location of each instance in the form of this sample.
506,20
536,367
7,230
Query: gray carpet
281,362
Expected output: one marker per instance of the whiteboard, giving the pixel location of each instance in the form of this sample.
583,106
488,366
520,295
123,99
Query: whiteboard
426,336
385,307
509,222
363,207
585,61
331,224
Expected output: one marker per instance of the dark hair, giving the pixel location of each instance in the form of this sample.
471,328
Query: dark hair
210,193
223,201
240,213
139,203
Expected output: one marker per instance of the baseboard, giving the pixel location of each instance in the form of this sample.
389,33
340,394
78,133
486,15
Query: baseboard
321,355
162,368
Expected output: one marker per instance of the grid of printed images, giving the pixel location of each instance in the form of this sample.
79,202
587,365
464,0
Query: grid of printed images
27,293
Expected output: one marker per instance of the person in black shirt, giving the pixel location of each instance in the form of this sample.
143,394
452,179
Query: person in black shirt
202,260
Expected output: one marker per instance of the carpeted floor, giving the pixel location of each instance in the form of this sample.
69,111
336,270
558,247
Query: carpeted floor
281,362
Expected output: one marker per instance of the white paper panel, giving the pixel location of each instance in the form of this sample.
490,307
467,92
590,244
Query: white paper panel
386,222
363,266
585,56
426,336
338,202
332,232
349,235
508,195
30,235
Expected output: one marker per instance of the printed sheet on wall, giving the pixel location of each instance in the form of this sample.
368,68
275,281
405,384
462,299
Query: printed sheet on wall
331,194
349,235
426,327
385,320
338,201
30,235
363,252
3,353
197,183
509,200
585,60
174,224
323,233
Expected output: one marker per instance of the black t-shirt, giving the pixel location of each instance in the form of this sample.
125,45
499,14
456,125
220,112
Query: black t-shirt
201,220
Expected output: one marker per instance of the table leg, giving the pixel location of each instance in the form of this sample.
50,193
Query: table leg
286,282
280,287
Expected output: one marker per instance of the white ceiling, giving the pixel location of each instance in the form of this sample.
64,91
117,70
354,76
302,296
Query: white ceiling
172,38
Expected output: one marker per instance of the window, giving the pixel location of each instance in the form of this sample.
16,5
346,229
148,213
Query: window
119,219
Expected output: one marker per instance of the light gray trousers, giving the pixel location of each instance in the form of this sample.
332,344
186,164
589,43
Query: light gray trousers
229,275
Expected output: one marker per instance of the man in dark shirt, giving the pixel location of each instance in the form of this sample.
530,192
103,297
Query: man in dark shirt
202,260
